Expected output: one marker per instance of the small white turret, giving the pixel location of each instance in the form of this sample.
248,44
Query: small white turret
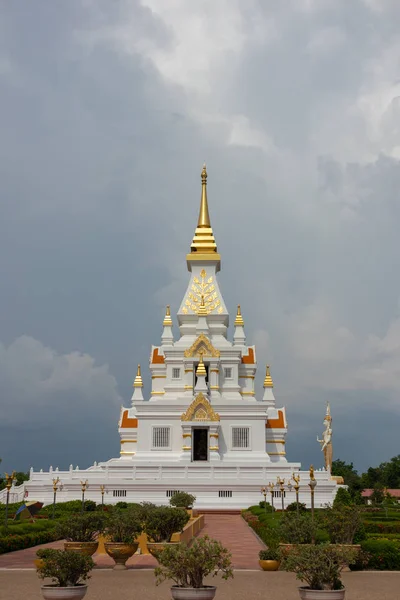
268,385
138,386
201,384
167,335
239,337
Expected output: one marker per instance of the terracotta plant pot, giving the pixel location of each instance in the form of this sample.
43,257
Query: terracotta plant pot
53,592
269,565
155,548
204,593
85,548
120,552
307,594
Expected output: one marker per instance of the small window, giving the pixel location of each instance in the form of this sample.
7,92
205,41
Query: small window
170,493
119,493
176,373
225,494
228,373
161,437
240,437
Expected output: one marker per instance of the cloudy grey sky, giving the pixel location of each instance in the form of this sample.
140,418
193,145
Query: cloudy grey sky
108,110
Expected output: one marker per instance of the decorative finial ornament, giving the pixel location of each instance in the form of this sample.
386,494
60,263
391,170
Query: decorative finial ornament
239,319
167,319
138,383
201,370
204,217
268,383
328,412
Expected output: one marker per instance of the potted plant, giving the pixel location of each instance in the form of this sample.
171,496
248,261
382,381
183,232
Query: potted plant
121,531
188,566
319,566
161,523
80,532
68,570
183,500
269,560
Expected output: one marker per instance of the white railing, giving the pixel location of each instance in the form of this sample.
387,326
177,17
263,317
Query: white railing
17,494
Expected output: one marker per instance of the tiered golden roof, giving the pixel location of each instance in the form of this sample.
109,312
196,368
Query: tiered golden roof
167,319
239,319
203,246
138,379
268,383
201,370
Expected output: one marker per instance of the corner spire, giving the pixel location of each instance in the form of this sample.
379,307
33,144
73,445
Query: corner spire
167,319
268,383
203,246
138,383
239,319
201,370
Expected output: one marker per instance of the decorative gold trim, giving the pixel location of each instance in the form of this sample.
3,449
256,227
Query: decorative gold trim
167,319
200,410
187,435
214,387
277,453
247,393
215,435
201,370
128,441
246,377
188,370
275,441
130,453
214,448
214,370
201,346
268,383
188,387
239,319
138,379
186,447
158,376
154,393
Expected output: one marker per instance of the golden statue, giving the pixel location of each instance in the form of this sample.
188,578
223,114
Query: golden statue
326,442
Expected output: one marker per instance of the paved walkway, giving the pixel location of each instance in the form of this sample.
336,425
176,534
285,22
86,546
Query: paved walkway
230,530
128,585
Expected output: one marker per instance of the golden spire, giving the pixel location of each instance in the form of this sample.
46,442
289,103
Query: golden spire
201,370
138,379
204,217
203,246
268,383
167,319
239,319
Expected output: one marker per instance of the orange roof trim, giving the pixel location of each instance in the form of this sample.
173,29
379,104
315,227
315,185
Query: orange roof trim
278,423
157,358
249,358
127,422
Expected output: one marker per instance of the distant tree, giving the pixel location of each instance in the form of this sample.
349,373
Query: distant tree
350,476
378,495
343,498
387,475
20,477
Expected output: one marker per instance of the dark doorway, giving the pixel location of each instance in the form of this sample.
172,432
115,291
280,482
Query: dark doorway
200,444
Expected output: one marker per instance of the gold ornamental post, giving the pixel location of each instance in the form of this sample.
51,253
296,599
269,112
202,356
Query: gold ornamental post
296,479
84,485
55,489
312,484
102,490
271,491
281,483
9,482
264,493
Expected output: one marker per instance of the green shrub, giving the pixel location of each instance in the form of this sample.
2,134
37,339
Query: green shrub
121,504
266,505
20,542
297,529
342,523
270,554
182,500
383,555
162,522
343,497
292,507
65,568
81,528
89,506
123,526
382,527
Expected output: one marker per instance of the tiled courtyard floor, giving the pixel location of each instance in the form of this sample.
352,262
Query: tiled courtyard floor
247,585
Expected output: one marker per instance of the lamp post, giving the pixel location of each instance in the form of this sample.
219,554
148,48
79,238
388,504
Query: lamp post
264,493
55,483
84,485
271,491
9,482
312,484
281,483
102,490
296,479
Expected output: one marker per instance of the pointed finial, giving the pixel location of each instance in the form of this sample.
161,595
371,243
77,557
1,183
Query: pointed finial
268,383
239,319
167,319
204,217
138,379
201,370
328,412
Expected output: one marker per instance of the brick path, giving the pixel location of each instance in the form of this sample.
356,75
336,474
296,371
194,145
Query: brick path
234,533
230,530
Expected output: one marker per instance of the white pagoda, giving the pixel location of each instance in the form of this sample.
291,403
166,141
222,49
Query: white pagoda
203,430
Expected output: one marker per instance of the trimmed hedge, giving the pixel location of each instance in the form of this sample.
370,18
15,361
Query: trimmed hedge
13,542
382,527
384,555
22,528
